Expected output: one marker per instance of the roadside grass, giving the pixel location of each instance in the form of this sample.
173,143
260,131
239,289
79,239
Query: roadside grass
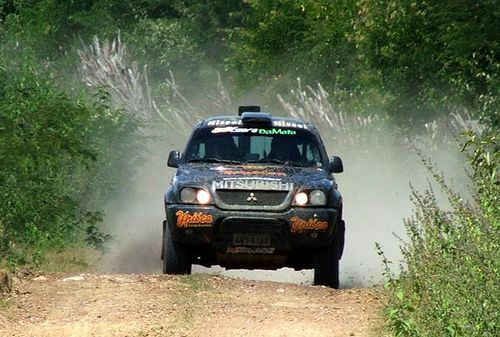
66,260
197,283
188,302
189,295
5,302
63,260
5,289
70,260
451,263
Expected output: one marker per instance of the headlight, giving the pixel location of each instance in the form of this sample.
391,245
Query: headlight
192,195
317,198
203,197
310,198
188,194
301,199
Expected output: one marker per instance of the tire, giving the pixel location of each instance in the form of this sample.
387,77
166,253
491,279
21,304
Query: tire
326,267
340,239
326,264
176,259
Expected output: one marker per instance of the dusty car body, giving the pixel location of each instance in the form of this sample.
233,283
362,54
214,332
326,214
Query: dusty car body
257,192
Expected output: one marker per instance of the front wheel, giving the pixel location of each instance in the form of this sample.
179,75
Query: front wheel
326,264
175,256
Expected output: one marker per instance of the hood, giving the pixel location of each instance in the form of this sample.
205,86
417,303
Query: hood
203,174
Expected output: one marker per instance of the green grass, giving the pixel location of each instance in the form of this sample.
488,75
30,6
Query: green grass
197,282
71,259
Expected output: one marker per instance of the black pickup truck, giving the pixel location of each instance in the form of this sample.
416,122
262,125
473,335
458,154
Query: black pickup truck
256,192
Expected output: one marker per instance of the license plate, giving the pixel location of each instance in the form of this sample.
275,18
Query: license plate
250,239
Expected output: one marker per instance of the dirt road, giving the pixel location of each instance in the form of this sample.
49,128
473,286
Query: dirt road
53,305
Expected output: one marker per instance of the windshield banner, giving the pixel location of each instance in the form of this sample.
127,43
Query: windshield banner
273,131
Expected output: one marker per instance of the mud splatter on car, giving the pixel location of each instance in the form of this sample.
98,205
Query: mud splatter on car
254,191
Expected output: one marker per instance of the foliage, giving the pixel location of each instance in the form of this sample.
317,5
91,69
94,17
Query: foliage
191,39
180,35
53,176
165,44
281,40
432,55
71,259
409,59
412,61
449,285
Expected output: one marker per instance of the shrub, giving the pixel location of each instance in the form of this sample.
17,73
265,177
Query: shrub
52,175
449,283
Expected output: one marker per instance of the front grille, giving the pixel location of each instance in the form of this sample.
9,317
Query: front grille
252,198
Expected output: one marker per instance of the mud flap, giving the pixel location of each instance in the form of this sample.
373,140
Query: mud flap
163,238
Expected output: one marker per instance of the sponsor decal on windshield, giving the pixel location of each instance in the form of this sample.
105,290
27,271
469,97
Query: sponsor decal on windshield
300,225
253,184
270,132
222,122
287,124
197,219
239,122
234,129
275,131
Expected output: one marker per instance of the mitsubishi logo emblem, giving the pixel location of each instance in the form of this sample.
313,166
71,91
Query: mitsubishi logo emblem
252,198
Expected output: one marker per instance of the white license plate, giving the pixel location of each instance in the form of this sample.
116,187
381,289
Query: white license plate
251,239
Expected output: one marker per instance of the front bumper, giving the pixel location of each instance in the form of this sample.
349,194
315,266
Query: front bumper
288,230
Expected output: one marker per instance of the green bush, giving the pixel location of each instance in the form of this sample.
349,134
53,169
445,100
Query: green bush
164,44
432,56
52,149
278,41
449,283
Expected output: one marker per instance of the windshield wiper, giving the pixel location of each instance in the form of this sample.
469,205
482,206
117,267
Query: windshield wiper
213,160
294,163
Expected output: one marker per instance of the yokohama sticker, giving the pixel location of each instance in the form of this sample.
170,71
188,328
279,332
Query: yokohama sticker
300,225
197,219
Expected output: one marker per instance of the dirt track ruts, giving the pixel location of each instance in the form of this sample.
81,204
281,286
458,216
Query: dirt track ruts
199,305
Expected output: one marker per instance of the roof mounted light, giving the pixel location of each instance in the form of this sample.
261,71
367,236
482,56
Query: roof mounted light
257,118
248,108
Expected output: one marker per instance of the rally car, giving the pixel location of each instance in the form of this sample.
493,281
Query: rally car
254,191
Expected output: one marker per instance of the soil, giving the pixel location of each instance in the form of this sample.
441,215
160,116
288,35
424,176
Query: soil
50,305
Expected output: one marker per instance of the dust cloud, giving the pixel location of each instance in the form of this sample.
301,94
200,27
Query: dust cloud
375,186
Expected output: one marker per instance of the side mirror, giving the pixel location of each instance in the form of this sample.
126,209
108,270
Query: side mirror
174,158
336,165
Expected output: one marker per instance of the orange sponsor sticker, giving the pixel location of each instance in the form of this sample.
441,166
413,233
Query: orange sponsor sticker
197,219
300,225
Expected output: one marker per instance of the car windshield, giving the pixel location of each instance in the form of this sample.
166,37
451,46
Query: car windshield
297,147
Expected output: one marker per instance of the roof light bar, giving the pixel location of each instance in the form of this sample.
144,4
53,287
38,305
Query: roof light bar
248,108
257,118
